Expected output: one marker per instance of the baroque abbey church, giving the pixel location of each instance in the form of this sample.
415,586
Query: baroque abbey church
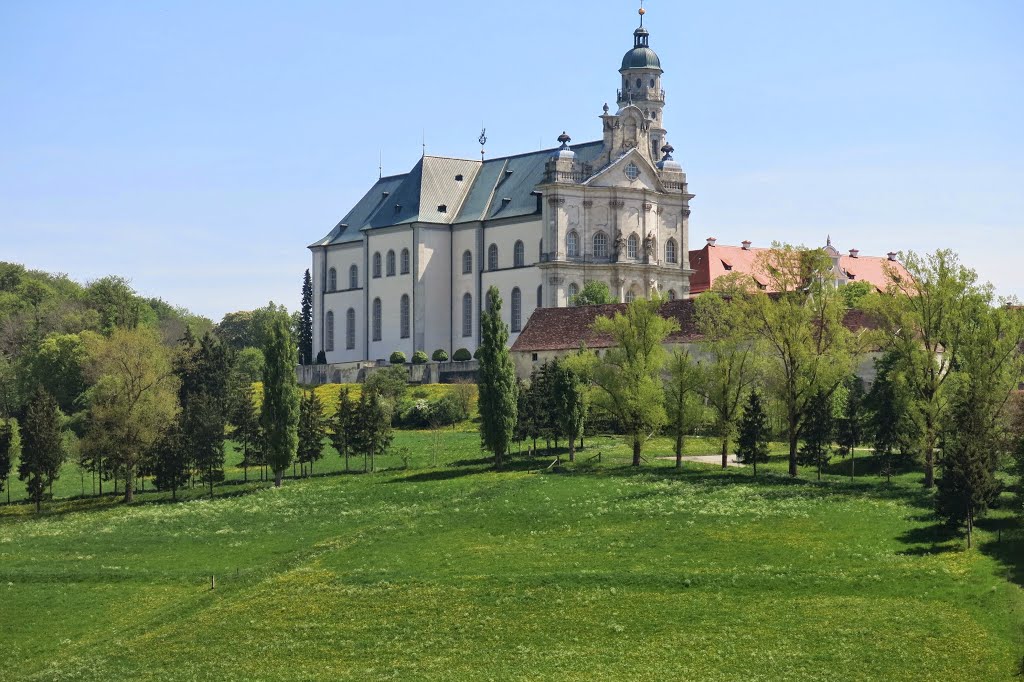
409,266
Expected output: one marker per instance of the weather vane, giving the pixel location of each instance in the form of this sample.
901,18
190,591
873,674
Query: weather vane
482,140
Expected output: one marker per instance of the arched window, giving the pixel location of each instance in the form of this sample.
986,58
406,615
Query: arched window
391,263
572,244
574,291
405,262
517,310
350,329
377,314
600,245
652,82
519,255
404,314
630,296
329,332
632,246
332,280
376,264
670,251
467,315
639,83
492,257
672,294
353,277
467,262
540,295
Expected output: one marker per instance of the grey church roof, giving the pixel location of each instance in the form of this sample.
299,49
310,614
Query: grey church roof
496,188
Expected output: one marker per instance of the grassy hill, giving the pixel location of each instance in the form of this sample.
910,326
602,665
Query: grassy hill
456,572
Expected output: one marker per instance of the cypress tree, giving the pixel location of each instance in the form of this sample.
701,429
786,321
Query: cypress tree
42,445
752,442
280,415
498,399
306,321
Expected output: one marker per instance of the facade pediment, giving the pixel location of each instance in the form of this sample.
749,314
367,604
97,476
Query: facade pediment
630,171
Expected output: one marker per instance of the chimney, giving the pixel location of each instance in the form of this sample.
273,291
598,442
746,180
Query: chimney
746,244
711,241
892,256
854,253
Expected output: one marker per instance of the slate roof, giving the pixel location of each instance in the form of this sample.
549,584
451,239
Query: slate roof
480,195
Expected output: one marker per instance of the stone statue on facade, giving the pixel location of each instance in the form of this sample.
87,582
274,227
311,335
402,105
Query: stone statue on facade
618,244
649,245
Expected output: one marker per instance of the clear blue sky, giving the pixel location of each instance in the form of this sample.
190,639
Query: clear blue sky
198,147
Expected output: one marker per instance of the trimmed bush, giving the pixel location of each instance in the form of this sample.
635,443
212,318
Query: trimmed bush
462,355
398,358
440,355
419,358
476,354
321,358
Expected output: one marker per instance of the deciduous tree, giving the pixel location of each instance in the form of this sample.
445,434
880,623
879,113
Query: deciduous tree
569,401
682,380
10,451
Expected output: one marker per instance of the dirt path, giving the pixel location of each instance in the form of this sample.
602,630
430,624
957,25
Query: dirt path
709,459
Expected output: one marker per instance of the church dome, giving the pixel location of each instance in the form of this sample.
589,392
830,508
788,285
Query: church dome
641,56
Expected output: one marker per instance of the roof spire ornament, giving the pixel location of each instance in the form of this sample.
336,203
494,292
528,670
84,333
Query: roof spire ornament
642,12
483,141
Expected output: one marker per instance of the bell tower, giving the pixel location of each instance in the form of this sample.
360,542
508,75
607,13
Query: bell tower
640,85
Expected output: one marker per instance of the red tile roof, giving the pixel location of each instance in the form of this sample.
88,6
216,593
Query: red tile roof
712,262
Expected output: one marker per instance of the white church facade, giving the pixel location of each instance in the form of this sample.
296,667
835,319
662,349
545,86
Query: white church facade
409,266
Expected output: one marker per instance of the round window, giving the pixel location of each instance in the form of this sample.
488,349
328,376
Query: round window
632,171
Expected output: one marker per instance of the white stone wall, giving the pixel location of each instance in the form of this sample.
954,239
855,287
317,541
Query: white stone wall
507,277
433,264
465,238
389,290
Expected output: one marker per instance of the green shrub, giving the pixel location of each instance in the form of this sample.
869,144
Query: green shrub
321,358
462,355
398,358
476,354
440,355
418,358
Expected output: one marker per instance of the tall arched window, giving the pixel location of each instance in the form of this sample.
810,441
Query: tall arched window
353,277
329,332
492,257
630,296
391,263
517,310
572,244
377,314
350,329
404,314
600,245
467,315
519,255
405,262
540,295
467,262
573,292
632,246
376,264
672,294
670,251
332,280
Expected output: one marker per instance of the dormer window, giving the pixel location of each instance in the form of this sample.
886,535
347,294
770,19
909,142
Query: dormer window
458,178
442,208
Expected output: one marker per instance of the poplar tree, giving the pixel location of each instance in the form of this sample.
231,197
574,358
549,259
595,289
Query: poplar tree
306,321
312,429
280,415
752,442
498,399
42,445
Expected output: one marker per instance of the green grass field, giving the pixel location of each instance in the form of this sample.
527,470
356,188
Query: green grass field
448,570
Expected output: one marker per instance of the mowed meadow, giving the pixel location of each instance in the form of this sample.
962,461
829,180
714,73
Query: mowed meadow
437,567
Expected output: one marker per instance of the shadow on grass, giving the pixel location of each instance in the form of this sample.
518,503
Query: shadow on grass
1006,545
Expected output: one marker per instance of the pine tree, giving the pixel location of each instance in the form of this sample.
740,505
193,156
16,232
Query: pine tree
850,429
752,443
818,432
569,401
42,445
246,421
498,399
306,321
312,429
372,433
968,484
342,425
10,450
204,370
171,461
280,415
